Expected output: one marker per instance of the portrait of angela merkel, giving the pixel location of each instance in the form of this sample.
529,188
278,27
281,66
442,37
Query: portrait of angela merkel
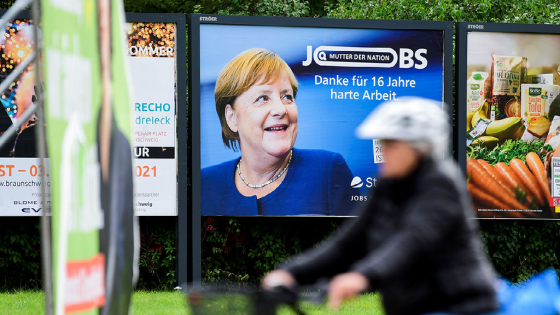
255,98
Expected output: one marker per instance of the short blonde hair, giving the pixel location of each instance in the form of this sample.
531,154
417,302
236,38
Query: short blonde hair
239,75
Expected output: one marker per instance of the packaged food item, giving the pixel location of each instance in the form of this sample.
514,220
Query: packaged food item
508,72
538,126
528,137
536,100
546,78
476,90
553,137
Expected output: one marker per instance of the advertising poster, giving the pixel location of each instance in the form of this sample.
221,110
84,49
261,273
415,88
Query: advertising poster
20,167
513,123
279,108
151,52
88,114
151,56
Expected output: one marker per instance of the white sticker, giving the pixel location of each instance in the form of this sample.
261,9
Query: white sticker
555,177
378,152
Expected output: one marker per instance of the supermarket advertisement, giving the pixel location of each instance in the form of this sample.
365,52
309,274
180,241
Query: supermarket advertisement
513,123
151,56
21,171
326,81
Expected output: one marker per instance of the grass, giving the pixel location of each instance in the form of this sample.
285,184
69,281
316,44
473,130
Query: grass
173,303
144,303
22,302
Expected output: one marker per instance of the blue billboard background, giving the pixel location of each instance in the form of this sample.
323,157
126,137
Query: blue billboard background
323,122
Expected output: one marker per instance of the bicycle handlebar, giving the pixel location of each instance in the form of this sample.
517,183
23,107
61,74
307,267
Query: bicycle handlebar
251,300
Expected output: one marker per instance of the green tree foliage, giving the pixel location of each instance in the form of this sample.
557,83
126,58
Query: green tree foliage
244,249
297,8
157,254
20,255
500,11
519,249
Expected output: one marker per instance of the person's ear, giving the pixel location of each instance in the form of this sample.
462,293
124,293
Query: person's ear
231,118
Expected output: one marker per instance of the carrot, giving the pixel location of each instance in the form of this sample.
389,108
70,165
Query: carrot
496,176
536,166
484,199
508,176
521,170
482,179
512,180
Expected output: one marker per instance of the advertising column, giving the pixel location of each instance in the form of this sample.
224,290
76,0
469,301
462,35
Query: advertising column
151,51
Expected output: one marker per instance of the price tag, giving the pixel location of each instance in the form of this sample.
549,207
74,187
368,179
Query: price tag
555,183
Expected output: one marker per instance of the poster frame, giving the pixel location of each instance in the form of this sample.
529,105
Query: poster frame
196,20
181,97
182,217
461,44
181,227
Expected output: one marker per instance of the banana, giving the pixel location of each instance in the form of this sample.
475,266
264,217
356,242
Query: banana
484,108
487,141
469,120
504,129
476,117
519,133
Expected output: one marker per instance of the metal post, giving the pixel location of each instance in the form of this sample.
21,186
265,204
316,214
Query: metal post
14,75
182,227
42,149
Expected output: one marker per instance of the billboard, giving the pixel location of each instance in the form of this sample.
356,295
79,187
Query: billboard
20,167
153,60
152,52
274,114
509,117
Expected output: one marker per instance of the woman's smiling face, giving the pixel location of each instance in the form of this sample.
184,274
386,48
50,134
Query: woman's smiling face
265,117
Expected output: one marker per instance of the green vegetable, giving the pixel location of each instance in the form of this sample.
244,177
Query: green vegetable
509,150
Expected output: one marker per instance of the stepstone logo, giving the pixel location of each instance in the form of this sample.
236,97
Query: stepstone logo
357,182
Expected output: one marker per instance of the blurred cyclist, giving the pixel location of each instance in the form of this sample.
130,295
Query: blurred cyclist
413,240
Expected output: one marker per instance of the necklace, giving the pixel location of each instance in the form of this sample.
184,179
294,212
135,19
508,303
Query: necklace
268,182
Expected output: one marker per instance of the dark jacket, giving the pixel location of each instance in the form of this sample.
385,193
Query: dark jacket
317,183
116,239
415,243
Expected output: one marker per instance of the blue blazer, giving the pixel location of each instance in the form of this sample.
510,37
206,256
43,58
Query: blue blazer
317,182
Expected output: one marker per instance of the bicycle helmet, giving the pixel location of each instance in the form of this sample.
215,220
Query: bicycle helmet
421,122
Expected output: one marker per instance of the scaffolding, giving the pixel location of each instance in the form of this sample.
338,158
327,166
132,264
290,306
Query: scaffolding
36,107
